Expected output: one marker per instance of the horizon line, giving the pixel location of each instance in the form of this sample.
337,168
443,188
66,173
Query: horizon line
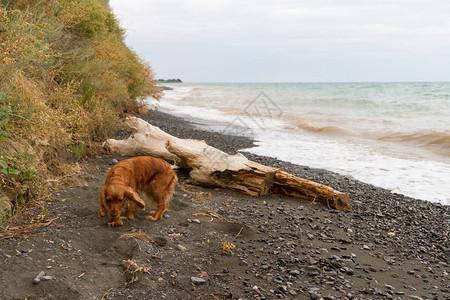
265,82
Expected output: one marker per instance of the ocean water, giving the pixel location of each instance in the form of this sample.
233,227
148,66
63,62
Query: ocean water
392,135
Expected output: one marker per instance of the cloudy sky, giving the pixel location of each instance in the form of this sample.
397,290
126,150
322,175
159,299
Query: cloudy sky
290,40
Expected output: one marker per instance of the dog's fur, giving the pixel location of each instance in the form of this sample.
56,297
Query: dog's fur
152,176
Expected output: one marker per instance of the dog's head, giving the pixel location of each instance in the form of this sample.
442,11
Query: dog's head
115,196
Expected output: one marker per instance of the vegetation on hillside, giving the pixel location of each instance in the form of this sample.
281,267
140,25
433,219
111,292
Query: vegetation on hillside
66,78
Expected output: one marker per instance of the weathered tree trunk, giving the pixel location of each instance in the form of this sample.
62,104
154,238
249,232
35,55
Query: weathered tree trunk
287,184
146,140
211,167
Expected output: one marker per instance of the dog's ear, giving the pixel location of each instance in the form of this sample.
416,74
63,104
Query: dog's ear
103,196
103,210
134,197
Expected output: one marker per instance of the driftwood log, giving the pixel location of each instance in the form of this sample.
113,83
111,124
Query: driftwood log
212,167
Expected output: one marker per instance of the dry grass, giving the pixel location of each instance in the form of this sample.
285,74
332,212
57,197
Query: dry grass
66,78
131,268
227,246
9,232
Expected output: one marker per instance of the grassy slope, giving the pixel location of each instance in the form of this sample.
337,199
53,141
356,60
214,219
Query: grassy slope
66,77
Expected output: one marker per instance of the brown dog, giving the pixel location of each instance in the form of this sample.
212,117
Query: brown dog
152,176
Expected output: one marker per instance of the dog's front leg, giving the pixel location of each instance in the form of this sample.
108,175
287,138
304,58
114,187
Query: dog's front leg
132,208
115,222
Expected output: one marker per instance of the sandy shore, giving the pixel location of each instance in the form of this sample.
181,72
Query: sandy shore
219,244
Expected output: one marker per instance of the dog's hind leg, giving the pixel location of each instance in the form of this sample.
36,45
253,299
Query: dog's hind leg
161,206
160,190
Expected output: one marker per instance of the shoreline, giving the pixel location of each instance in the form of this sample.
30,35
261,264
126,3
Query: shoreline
189,127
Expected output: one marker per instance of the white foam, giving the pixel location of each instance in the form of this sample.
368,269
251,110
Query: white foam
422,179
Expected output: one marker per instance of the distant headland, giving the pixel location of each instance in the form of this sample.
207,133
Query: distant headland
170,80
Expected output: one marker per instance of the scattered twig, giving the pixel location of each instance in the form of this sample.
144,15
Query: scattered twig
213,214
227,296
106,294
22,231
209,213
63,245
239,231
200,196
132,269
227,246
61,177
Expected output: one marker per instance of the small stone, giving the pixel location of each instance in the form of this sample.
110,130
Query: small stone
314,295
348,271
46,278
294,272
181,247
365,247
37,279
391,234
197,280
114,161
277,281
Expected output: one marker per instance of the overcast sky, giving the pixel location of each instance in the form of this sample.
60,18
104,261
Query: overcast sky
290,41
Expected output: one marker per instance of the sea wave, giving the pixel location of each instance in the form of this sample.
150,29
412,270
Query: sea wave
436,139
318,128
